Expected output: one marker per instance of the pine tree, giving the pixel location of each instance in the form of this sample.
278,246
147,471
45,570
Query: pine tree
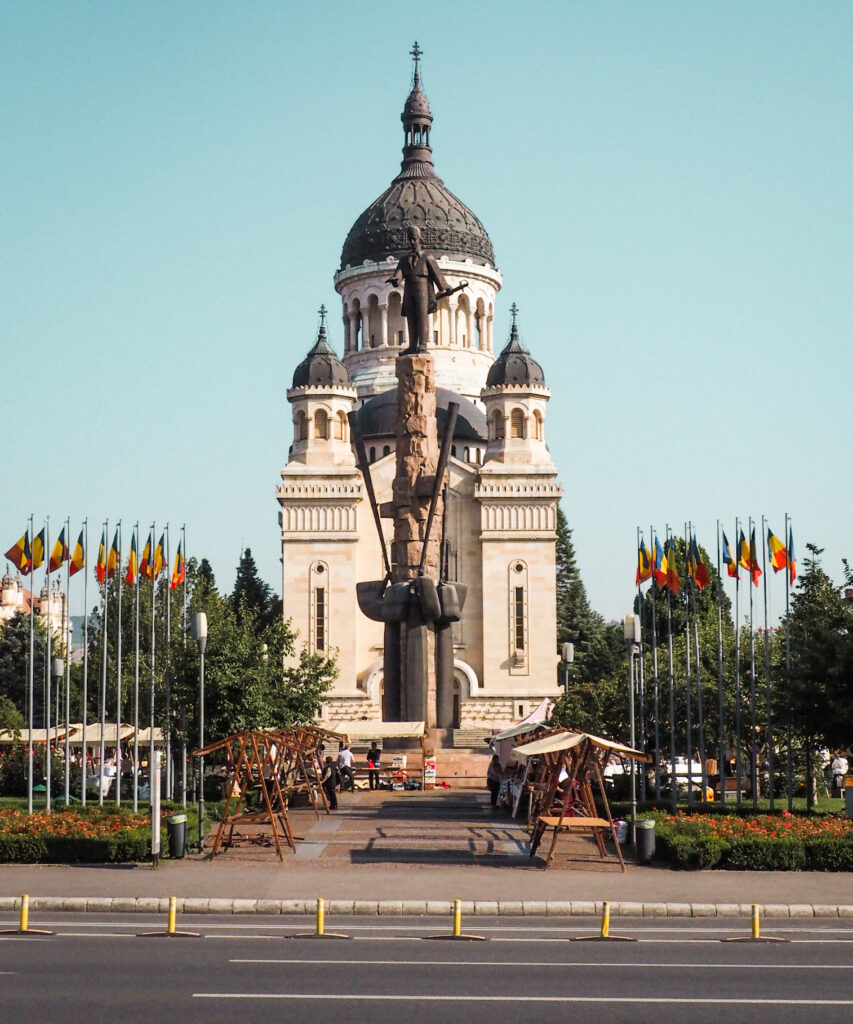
250,591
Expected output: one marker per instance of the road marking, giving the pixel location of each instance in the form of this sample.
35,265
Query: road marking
663,1000
97,935
553,963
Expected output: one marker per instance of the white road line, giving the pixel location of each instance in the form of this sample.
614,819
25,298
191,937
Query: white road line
561,964
661,1000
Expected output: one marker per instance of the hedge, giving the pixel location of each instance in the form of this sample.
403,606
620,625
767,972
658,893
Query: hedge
119,849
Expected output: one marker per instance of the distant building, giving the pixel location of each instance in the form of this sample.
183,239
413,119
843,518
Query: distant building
501,509
49,607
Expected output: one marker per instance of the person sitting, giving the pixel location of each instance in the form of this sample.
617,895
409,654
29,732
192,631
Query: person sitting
345,767
373,756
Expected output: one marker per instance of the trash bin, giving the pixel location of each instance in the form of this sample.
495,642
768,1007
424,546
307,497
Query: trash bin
177,827
645,840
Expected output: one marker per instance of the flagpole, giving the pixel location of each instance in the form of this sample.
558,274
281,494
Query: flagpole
721,735
768,700
672,782
118,674
103,708
689,715
753,724
152,775
168,737
183,712
67,635
700,704
789,781
48,666
738,696
31,679
640,687
136,676
85,654
652,534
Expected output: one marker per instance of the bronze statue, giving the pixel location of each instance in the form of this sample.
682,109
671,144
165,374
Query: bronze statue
421,277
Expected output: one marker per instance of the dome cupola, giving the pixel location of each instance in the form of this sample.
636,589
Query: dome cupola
515,365
321,367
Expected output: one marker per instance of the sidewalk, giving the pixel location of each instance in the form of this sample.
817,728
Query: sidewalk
382,849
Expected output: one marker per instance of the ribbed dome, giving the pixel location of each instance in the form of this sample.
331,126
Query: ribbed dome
515,365
378,416
321,367
416,197
8,579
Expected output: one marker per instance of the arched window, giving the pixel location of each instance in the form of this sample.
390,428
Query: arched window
372,455
300,429
498,427
386,450
518,618
321,424
466,454
340,426
538,426
516,423
319,608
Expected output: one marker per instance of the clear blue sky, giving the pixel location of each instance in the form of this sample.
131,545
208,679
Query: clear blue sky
668,190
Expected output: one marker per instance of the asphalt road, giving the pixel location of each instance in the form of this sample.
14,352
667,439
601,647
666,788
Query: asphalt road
96,968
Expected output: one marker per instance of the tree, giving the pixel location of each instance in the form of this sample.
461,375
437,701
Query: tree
14,663
250,592
11,720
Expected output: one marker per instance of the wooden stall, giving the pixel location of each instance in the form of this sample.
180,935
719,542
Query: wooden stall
562,794
363,732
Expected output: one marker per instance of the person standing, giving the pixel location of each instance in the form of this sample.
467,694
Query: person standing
329,782
345,767
493,779
373,757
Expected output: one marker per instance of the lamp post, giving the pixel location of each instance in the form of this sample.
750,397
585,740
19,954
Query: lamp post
568,656
57,670
631,632
199,631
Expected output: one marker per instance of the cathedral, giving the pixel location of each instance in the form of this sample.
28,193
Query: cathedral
499,518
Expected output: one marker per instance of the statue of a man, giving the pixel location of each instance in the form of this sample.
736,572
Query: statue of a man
421,277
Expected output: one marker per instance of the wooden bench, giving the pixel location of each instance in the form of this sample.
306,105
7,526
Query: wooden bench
597,826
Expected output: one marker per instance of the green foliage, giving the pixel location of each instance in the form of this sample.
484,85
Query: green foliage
14,662
250,591
14,769
11,720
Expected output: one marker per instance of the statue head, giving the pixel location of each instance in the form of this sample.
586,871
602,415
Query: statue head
415,239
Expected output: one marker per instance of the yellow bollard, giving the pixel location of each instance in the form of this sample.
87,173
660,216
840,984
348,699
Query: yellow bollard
756,935
24,924
605,921
604,935
320,931
321,916
171,931
457,919
756,923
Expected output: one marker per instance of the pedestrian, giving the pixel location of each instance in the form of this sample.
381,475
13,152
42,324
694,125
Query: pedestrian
839,771
373,756
329,782
345,767
493,779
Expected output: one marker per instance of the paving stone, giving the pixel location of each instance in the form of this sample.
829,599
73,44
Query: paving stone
77,904
558,908
775,910
654,910
413,908
845,910
122,905
439,908
341,907
585,908
703,909
268,906
467,907
97,904
729,910
486,908
8,903
363,908
195,905
390,908
535,908
678,910
147,905
298,906
800,910
219,906
825,910
244,906
510,908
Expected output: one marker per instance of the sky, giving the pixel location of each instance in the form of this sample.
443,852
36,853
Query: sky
667,187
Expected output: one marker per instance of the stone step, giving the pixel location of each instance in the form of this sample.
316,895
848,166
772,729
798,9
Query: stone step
475,738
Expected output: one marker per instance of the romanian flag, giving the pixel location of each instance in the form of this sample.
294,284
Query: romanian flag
78,559
754,569
743,552
19,554
672,580
778,554
179,573
792,560
644,563
114,557
728,557
659,570
146,566
59,555
700,570
38,550
101,564
160,556
132,563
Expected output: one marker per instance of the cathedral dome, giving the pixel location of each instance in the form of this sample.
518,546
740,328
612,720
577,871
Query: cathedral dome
321,368
378,416
417,197
515,365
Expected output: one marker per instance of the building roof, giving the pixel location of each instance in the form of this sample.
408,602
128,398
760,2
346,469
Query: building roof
321,367
417,197
378,416
515,365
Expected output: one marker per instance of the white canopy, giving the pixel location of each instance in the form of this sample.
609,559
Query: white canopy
567,740
93,734
376,730
7,736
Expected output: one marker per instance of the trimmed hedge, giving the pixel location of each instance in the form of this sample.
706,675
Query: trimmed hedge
118,849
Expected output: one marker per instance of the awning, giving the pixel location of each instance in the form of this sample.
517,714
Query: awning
376,730
567,740
7,736
519,729
93,734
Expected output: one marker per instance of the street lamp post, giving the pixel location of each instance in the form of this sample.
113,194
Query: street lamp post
631,632
567,658
57,670
199,631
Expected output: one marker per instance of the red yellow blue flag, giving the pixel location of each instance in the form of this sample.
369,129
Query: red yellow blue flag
179,574
160,556
38,549
644,564
659,570
146,566
778,554
700,570
101,564
59,555
754,567
132,563
792,561
78,559
672,580
114,557
19,554
743,552
728,558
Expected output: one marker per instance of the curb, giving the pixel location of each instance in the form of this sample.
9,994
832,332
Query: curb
419,908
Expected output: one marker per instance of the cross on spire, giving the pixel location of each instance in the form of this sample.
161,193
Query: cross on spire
417,53
322,312
514,310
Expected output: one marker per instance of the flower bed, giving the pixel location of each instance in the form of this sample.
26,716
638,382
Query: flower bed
765,842
90,835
